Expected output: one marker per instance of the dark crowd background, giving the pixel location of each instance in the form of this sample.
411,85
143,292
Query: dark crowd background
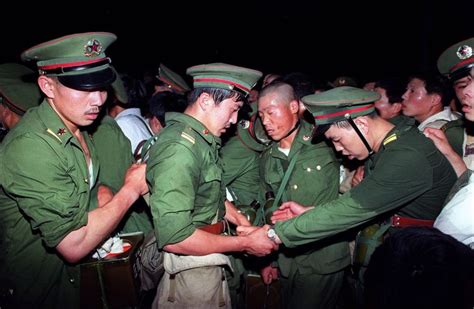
325,39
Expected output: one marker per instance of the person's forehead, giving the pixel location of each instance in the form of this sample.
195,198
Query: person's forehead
269,103
380,90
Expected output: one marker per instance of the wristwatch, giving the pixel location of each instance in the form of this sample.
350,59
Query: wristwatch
271,234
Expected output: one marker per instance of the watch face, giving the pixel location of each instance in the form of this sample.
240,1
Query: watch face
271,233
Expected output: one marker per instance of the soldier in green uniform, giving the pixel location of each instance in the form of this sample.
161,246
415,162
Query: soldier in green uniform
18,93
406,177
456,63
48,167
113,153
187,193
240,158
296,169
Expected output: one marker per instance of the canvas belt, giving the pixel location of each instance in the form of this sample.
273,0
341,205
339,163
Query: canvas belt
399,221
216,228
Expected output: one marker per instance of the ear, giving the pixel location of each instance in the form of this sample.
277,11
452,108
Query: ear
397,107
47,85
436,99
155,124
363,124
294,106
205,101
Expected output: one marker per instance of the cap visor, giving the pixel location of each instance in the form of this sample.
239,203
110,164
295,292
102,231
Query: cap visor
89,81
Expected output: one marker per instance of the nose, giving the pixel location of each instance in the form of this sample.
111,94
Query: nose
469,90
338,146
233,118
99,97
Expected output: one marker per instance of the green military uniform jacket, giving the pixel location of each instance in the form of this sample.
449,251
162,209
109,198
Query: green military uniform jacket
185,178
113,151
455,133
241,175
313,181
45,196
407,176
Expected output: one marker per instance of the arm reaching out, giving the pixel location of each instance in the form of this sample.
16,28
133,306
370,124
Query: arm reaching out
441,142
289,210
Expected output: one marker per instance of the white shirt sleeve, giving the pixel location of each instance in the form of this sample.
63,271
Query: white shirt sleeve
457,217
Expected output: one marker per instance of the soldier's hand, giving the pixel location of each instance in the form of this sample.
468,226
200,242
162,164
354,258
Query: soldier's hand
269,273
288,210
135,178
104,195
258,243
234,216
358,176
439,139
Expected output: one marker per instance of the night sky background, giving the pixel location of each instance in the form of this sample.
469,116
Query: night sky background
325,39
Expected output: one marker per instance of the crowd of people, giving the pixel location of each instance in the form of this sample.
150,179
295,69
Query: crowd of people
348,195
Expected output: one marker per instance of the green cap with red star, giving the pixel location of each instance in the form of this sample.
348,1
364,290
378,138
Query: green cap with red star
457,61
78,60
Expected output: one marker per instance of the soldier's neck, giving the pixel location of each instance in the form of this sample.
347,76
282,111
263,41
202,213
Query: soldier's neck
287,141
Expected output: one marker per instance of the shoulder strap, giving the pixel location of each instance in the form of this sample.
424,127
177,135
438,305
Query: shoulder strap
282,187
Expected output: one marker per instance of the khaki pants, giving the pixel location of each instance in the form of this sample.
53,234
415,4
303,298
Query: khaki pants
184,286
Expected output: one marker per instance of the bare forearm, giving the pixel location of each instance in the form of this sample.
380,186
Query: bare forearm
101,222
202,243
456,162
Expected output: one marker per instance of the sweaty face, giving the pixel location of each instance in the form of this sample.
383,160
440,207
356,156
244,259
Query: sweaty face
464,88
77,108
416,100
277,116
347,142
223,115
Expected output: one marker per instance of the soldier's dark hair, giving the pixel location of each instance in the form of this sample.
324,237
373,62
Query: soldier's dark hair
217,94
301,83
394,88
163,102
420,267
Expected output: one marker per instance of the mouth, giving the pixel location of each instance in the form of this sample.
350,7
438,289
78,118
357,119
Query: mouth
92,116
269,131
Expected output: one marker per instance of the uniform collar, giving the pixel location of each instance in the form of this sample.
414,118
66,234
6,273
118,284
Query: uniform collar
399,129
195,124
303,137
54,125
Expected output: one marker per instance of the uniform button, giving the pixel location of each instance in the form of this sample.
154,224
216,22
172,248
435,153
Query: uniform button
86,180
318,167
71,280
295,187
308,169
